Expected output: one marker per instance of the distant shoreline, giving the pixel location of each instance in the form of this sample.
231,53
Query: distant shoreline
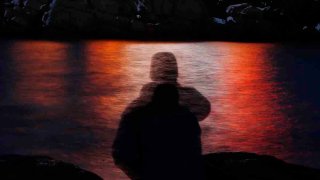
84,37
262,21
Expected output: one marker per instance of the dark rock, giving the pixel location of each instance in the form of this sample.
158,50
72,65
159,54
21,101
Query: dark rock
15,167
218,166
247,166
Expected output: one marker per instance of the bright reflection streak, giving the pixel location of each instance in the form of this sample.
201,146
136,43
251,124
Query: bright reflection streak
40,66
247,104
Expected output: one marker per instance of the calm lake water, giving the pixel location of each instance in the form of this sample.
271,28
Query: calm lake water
64,99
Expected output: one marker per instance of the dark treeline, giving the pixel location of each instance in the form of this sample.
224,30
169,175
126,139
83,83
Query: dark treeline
300,11
214,19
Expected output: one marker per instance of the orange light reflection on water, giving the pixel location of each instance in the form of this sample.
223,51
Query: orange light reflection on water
40,66
247,113
108,79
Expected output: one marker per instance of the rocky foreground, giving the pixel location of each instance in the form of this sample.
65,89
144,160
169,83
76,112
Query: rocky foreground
15,167
219,166
247,166
216,19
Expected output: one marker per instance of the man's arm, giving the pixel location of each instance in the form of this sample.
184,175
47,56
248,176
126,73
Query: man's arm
125,150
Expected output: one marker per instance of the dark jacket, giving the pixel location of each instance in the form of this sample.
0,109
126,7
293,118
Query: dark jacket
159,142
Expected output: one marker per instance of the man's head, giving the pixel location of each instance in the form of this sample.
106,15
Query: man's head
164,68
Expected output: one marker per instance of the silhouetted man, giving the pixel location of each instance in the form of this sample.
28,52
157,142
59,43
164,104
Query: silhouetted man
159,141
164,69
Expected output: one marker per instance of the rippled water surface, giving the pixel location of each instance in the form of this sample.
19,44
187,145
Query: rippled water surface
64,99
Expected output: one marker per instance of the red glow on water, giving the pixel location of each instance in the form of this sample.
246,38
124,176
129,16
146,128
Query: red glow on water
247,114
39,66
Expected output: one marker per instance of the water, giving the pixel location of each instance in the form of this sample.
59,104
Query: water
64,99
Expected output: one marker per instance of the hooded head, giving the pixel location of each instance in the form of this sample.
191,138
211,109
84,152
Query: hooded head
164,68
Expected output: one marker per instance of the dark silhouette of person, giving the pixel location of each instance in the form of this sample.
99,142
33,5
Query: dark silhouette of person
160,140
164,69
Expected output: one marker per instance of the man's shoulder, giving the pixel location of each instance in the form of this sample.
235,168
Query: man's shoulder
183,108
185,111
136,112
